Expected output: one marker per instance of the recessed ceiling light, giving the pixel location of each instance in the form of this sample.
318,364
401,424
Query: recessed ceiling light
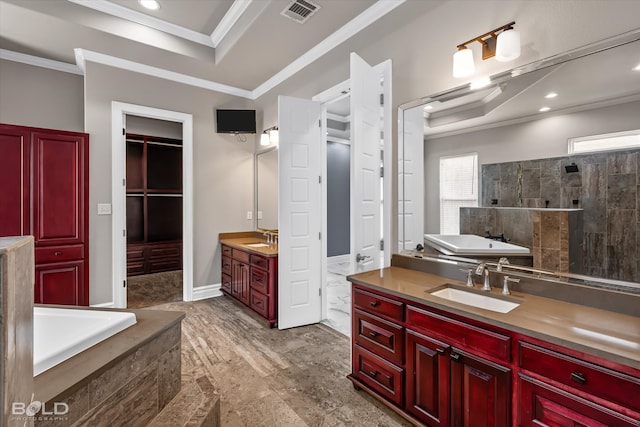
544,109
551,95
636,68
149,4
428,107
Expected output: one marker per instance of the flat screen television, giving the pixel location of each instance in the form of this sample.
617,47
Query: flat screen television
236,121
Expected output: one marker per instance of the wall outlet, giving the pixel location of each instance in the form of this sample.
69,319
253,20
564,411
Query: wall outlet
249,214
104,208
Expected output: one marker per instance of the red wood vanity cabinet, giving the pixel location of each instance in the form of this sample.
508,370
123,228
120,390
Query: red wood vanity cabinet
252,279
440,369
44,176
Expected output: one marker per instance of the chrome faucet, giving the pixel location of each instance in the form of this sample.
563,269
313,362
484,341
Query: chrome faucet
501,262
483,270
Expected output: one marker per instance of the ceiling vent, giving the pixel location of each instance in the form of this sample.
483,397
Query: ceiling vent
300,10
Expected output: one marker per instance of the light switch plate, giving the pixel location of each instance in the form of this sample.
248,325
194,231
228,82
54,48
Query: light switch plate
104,208
259,214
249,214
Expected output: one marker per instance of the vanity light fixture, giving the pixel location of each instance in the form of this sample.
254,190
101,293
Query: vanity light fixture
502,42
264,138
551,95
480,83
149,4
270,136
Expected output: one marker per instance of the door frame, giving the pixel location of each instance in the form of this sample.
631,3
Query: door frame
119,111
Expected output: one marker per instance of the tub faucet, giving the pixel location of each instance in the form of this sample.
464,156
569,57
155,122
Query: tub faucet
483,270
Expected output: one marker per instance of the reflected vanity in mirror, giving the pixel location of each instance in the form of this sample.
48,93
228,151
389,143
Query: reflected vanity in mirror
267,189
527,183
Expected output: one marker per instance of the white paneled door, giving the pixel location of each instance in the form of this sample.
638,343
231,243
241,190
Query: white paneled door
366,126
300,213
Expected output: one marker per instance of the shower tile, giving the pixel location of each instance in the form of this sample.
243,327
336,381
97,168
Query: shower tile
169,369
549,230
621,163
621,191
550,259
531,183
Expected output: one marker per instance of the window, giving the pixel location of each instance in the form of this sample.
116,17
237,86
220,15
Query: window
458,188
608,141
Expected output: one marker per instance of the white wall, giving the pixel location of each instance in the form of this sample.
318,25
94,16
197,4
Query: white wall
223,167
536,139
39,97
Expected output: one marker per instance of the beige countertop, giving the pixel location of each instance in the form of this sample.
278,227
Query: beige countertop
602,333
243,242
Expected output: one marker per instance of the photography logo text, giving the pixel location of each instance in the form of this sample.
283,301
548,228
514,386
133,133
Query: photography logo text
40,411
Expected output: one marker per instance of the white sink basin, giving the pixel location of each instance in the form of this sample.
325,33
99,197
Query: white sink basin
257,245
487,302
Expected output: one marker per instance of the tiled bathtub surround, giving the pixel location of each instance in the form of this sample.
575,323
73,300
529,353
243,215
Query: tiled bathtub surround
554,236
16,319
606,187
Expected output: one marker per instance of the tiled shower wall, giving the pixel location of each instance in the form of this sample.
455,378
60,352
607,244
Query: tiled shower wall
606,186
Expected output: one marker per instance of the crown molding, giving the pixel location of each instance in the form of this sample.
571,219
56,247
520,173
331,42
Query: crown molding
37,61
114,9
229,19
83,55
351,28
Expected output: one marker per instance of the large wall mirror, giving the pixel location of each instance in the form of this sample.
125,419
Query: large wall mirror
267,189
522,149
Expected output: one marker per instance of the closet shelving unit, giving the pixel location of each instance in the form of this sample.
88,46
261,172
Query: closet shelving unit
154,204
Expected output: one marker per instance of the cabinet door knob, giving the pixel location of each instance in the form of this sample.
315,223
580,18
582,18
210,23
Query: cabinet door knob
373,373
373,334
57,253
455,356
578,378
440,350
374,303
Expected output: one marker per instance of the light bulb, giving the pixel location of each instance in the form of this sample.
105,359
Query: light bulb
264,139
150,4
508,46
463,65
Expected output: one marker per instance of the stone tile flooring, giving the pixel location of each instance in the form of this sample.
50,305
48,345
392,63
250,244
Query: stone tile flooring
153,289
267,377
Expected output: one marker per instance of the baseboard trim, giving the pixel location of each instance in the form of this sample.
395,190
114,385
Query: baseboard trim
208,291
338,259
109,304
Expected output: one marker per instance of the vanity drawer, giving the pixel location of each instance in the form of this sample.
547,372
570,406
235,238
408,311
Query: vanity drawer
240,255
226,251
472,338
226,265
377,304
59,253
258,302
260,280
378,335
382,376
226,283
260,261
596,380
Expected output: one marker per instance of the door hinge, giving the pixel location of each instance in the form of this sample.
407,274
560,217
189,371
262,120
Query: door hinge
382,99
124,233
319,123
381,171
382,245
123,132
319,292
320,180
124,182
124,283
319,235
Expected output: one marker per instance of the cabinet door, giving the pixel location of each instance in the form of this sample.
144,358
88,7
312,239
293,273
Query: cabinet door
60,188
240,281
480,392
428,367
14,181
544,405
61,283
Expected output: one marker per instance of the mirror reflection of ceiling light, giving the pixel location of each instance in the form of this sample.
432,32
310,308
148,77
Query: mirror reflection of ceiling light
480,83
264,138
551,95
544,109
149,4
503,43
636,68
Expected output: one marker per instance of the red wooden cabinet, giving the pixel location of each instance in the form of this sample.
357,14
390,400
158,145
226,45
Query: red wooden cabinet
428,379
47,195
252,279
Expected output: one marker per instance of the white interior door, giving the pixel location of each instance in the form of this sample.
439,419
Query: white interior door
411,179
365,165
299,218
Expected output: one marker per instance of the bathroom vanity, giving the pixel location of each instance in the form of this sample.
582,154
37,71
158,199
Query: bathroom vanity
250,272
439,362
